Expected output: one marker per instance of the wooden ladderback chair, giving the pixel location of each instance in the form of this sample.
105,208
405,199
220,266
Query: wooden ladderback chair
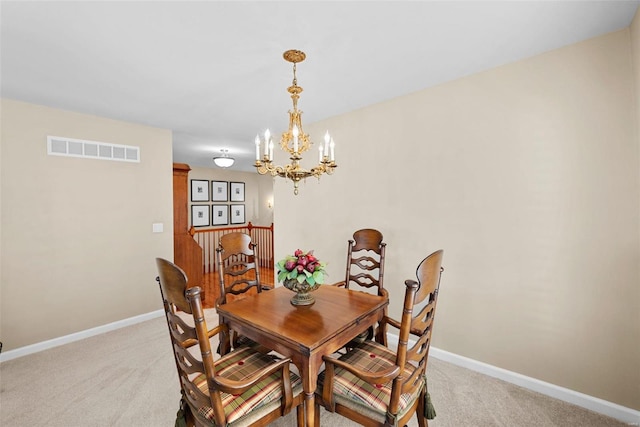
365,268
239,276
242,388
376,386
236,259
365,260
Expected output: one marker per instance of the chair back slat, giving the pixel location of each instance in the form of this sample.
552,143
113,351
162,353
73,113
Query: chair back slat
180,330
418,351
364,279
366,262
412,381
193,394
424,318
188,363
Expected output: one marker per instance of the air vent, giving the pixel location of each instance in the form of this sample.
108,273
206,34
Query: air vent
59,146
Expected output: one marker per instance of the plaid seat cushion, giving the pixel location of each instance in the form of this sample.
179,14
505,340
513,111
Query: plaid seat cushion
239,365
360,395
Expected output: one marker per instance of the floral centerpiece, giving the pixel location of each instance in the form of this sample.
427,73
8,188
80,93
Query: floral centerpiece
302,273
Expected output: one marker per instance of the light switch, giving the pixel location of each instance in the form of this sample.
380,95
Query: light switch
158,227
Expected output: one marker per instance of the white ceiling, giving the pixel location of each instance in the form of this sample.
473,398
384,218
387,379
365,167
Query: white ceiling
213,72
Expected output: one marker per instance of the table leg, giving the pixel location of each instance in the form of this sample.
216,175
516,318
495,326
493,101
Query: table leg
308,368
309,409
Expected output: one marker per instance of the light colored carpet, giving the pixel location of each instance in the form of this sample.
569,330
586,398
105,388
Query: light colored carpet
128,378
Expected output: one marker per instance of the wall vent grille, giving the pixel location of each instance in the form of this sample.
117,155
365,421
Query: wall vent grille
69,147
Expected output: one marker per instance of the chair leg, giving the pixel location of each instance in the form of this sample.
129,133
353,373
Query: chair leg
316,417
300,414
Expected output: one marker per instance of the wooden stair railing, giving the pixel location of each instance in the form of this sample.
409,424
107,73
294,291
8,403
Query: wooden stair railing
207,239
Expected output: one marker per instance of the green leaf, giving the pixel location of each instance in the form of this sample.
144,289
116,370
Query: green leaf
318,276
282,275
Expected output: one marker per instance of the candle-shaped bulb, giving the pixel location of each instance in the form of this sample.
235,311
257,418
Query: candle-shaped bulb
332,146
326,143
257,147
270,150
267,137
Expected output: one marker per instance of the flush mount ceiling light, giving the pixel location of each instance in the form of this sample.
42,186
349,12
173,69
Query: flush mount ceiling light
294,141
224,161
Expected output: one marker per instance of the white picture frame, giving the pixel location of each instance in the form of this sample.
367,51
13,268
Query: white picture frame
219,191
220,215
237,191
200,215
199,190
237,214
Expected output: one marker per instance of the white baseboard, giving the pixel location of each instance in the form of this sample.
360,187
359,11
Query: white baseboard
613,410
45,345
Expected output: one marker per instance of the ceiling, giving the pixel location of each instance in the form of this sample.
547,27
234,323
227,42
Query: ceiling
213,72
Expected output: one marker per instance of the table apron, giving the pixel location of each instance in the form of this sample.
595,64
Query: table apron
288,348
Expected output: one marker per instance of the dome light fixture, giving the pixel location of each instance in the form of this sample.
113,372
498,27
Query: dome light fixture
224,161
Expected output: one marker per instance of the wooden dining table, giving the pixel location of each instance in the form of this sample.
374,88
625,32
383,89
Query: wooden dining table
305,333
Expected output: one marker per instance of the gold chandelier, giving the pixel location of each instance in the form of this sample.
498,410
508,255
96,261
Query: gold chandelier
294,141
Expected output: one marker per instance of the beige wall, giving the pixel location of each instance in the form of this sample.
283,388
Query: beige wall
77,247
635,54
258,191
527,176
